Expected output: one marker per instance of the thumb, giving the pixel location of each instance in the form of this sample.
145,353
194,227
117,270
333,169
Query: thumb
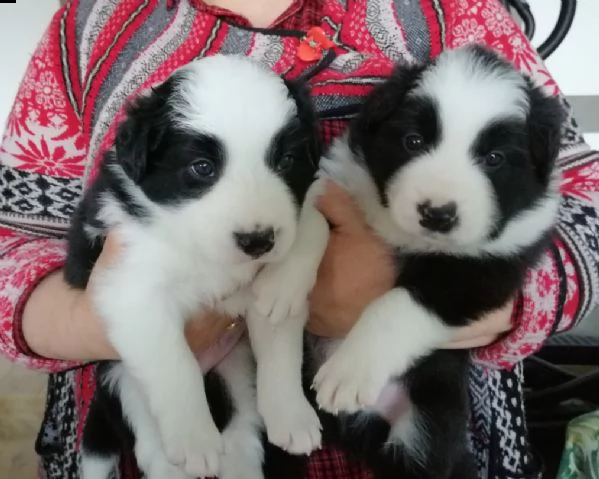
111,249
340,209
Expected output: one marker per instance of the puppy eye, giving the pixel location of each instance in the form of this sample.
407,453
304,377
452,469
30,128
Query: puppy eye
202,169
494,159
285,163
413,142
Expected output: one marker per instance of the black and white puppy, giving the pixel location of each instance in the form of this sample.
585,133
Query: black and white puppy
209,188
453,165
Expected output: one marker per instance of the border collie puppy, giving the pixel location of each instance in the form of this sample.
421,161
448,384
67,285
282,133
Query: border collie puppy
205,188
453,165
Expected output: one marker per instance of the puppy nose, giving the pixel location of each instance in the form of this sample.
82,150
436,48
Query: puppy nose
255,243
440,219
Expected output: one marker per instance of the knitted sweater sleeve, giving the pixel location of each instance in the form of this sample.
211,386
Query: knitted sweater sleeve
42,157
563,288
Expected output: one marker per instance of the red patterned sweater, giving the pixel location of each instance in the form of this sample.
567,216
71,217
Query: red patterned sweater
97,53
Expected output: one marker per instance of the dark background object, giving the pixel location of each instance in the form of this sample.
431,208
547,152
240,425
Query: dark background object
561,383
521,9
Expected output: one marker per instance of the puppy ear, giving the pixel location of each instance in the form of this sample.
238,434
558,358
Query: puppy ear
300,92
383,101
142,130
545,120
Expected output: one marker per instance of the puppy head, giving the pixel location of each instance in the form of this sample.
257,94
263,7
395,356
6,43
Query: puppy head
462,152
227,149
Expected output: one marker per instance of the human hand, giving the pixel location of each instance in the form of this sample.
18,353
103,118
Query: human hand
357,267
485,331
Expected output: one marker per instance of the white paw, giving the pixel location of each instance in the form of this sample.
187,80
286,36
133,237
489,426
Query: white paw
236,468
244,451
162,469
294,428
281,290
349,382
196,447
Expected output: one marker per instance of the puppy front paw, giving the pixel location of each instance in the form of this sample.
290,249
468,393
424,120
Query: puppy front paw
281,290
195,446
293,426
349,381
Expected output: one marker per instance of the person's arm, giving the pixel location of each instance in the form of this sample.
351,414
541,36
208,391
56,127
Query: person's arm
58,322
563,288
42,158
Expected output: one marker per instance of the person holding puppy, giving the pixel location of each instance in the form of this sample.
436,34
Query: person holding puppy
96,55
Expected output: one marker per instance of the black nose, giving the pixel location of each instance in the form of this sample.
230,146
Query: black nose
256,243
440,219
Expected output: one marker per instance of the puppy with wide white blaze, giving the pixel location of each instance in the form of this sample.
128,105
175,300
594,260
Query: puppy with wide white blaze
453,165
210,185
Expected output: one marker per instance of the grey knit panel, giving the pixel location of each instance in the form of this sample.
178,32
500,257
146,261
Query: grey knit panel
153,26
237,41
415,28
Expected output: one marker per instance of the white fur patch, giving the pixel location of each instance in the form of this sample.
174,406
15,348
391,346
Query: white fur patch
237,100
410,433
441,177
469,94
243,448
149,450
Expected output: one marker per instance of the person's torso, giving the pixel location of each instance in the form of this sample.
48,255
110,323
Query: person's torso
113,50
124,47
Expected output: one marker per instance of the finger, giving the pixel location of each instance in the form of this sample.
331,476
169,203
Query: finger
206,329
339,208
494,323
318,327
472,343
112,241
470,332
492,328
110,249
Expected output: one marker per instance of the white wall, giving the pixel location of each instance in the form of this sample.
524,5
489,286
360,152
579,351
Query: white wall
575,65
21,26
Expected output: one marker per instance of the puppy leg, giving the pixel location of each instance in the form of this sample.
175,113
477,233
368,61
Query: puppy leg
432,433
145,325
393,332
282,288
149,450
100,446
104,433
291,422
242,436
